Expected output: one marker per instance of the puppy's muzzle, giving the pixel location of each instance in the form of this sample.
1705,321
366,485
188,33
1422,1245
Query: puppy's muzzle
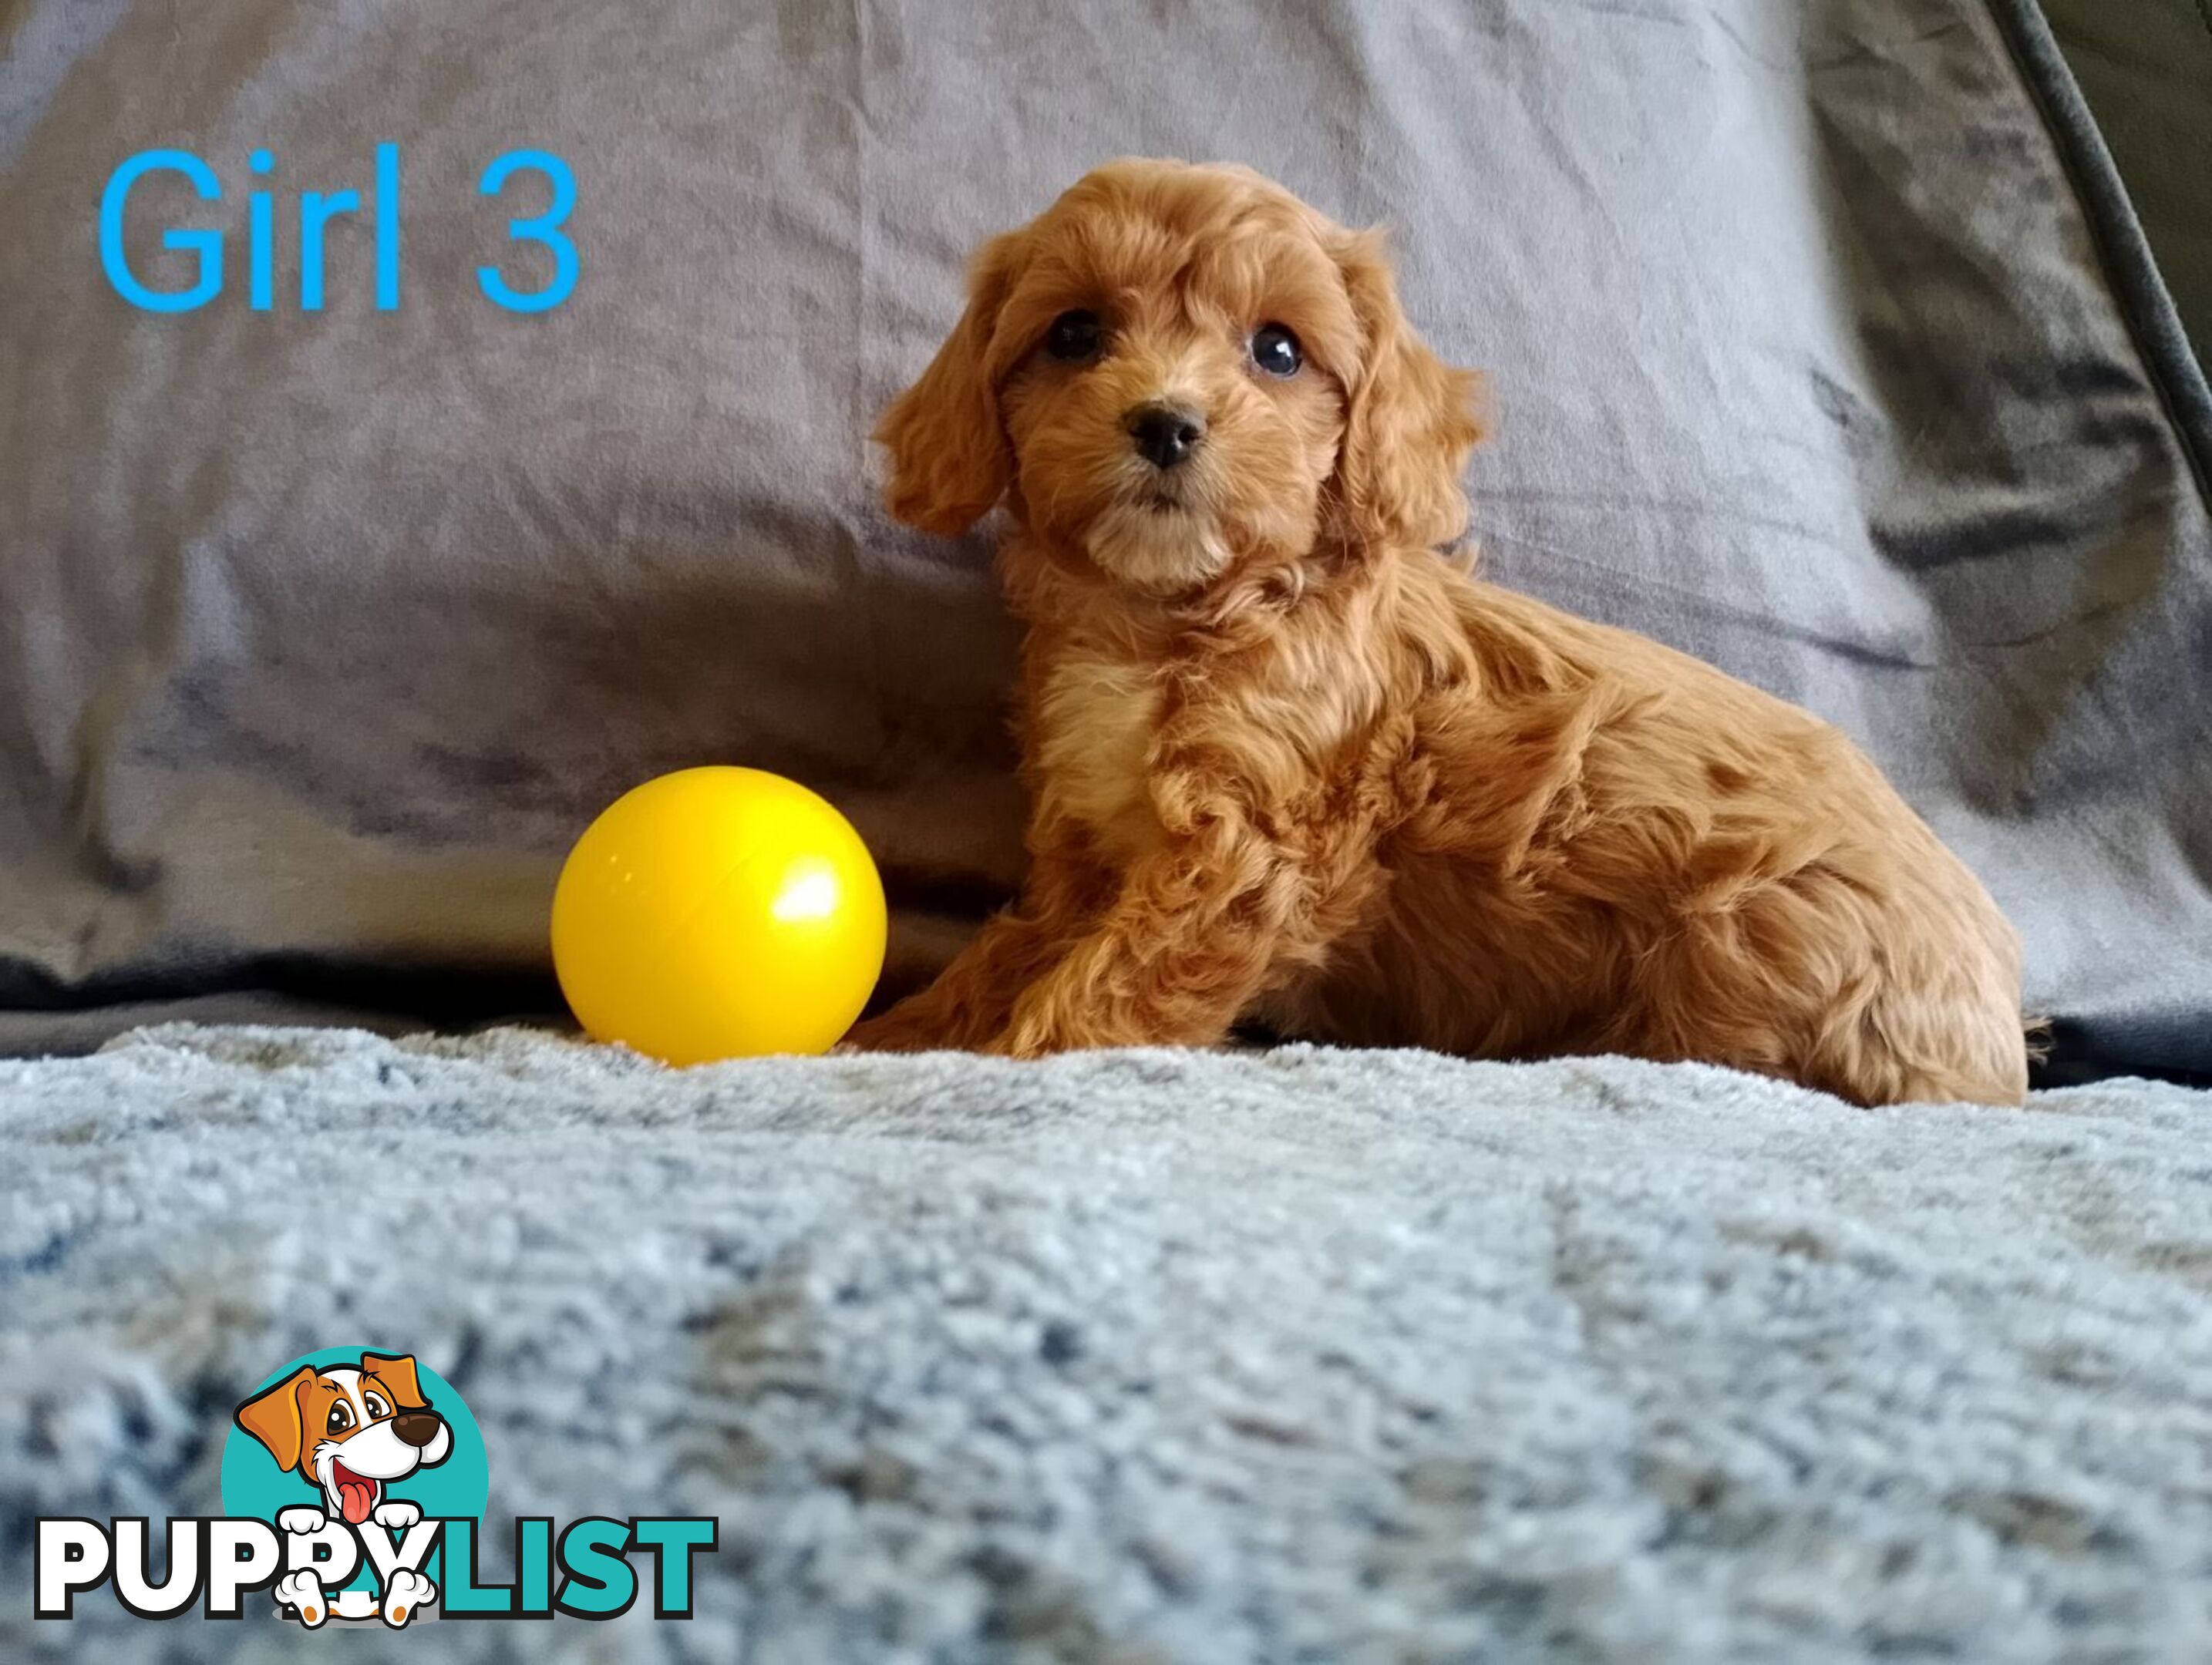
418,1428
1164,435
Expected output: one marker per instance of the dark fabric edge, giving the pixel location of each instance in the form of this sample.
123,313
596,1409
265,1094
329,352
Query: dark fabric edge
40,1015
2130,268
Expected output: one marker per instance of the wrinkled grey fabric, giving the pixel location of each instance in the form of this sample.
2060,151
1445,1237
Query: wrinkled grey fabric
1155,1357
321,636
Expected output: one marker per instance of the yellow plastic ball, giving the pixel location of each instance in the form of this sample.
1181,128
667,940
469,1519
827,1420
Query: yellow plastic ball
719,912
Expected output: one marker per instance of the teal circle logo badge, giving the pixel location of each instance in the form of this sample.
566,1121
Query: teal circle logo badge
340,1440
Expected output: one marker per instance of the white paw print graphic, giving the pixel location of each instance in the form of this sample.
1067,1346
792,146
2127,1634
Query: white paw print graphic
404,1592
302,1594
396,1515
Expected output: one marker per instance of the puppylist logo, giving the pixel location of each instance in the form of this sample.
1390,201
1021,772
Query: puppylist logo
353,1483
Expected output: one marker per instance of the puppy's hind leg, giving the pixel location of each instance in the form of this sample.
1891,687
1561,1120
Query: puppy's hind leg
1920,1048
1929,1019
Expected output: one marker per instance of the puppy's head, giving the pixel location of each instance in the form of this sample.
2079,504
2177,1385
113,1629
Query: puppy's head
1175,365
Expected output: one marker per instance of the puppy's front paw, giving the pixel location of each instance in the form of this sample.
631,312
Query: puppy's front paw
300,1521
396,1515
404,1592
299,1594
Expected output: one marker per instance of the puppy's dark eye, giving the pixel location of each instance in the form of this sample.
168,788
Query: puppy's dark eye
1275,350
1075,337
340,1418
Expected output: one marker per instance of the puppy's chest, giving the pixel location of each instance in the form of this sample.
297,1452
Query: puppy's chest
1090,731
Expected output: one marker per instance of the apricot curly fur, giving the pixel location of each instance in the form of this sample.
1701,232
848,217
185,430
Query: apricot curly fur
1288,764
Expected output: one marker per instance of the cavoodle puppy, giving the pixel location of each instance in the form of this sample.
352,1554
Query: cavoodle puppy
1289,765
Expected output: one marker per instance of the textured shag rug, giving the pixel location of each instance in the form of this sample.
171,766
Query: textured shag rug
1290,1355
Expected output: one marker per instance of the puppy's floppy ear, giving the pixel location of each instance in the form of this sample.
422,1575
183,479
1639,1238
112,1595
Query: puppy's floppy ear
951,460
397,1373
272,1416
1412,418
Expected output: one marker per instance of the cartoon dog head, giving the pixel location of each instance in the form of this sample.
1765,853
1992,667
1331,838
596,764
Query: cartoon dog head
350,1430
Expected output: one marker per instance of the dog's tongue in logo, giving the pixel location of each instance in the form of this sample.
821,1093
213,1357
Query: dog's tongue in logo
356,1495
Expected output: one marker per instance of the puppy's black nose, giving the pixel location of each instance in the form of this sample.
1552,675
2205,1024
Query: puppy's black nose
418,1428
1165,433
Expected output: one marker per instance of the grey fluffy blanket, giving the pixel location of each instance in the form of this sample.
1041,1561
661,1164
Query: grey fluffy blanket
1157,1356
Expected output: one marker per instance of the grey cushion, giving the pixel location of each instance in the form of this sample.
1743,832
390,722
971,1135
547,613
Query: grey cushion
321,636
